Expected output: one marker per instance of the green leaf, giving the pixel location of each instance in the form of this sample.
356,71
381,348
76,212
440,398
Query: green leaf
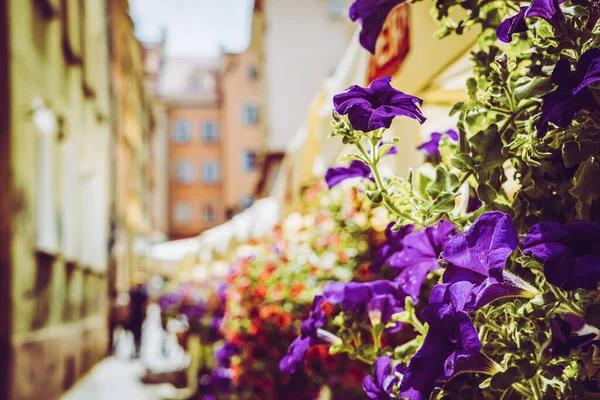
504,380
586,186
352,156
527,368
375,196
531,87
472,89
486,193
575,153
383,150
463,162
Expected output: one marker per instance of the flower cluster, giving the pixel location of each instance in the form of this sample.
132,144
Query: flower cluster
274,321
481,290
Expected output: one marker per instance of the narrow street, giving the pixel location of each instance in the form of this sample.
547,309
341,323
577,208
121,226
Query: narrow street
119,377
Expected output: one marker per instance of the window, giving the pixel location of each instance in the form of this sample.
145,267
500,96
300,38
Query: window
249,160
250,114
210,132
184,171
210,172
182,212
252,73
208,214
246,202
337,9
182,132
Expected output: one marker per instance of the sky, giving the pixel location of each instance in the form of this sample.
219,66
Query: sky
195,28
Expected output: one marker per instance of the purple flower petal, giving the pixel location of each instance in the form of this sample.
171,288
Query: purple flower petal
570,253
375,107
572,95
315,320
356,169
546,9
294,359
419,256
451,337
372,15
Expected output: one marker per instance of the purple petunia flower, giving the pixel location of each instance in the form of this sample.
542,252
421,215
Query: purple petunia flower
224,353
478,259
572,94
562,340
432,147
420,255
357,169
546,9
375,107
294,359
474,203
451,345
391,246
382,299
315,320
571,253
372,15
381,385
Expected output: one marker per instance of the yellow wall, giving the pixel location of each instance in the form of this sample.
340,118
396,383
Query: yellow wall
57,322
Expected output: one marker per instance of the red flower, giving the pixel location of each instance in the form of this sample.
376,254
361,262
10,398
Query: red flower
296,290
283,319
327,308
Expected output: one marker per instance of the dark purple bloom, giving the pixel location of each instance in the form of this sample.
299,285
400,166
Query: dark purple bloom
562,340
315,320
375,107
224,353
572,94
194,312
451,345
432,147
571,253
478,258
474,203
391,246
170,301
356,169
294,359
381,385
420,255
372,15
381,299
546,9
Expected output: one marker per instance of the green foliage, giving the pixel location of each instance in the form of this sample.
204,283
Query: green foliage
501,156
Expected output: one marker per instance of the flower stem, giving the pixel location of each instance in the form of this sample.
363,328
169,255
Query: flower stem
535,386
381,185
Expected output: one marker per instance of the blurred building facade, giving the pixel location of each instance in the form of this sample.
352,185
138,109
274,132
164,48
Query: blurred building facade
54,168
215,131
132,157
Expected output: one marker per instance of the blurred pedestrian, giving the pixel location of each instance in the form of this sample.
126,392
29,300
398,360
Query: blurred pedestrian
139,303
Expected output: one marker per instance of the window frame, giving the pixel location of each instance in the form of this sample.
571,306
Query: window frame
188,165
175,136
245,114
177,218
217,173
215,136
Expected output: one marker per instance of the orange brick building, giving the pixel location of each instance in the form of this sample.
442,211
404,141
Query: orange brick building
215,129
